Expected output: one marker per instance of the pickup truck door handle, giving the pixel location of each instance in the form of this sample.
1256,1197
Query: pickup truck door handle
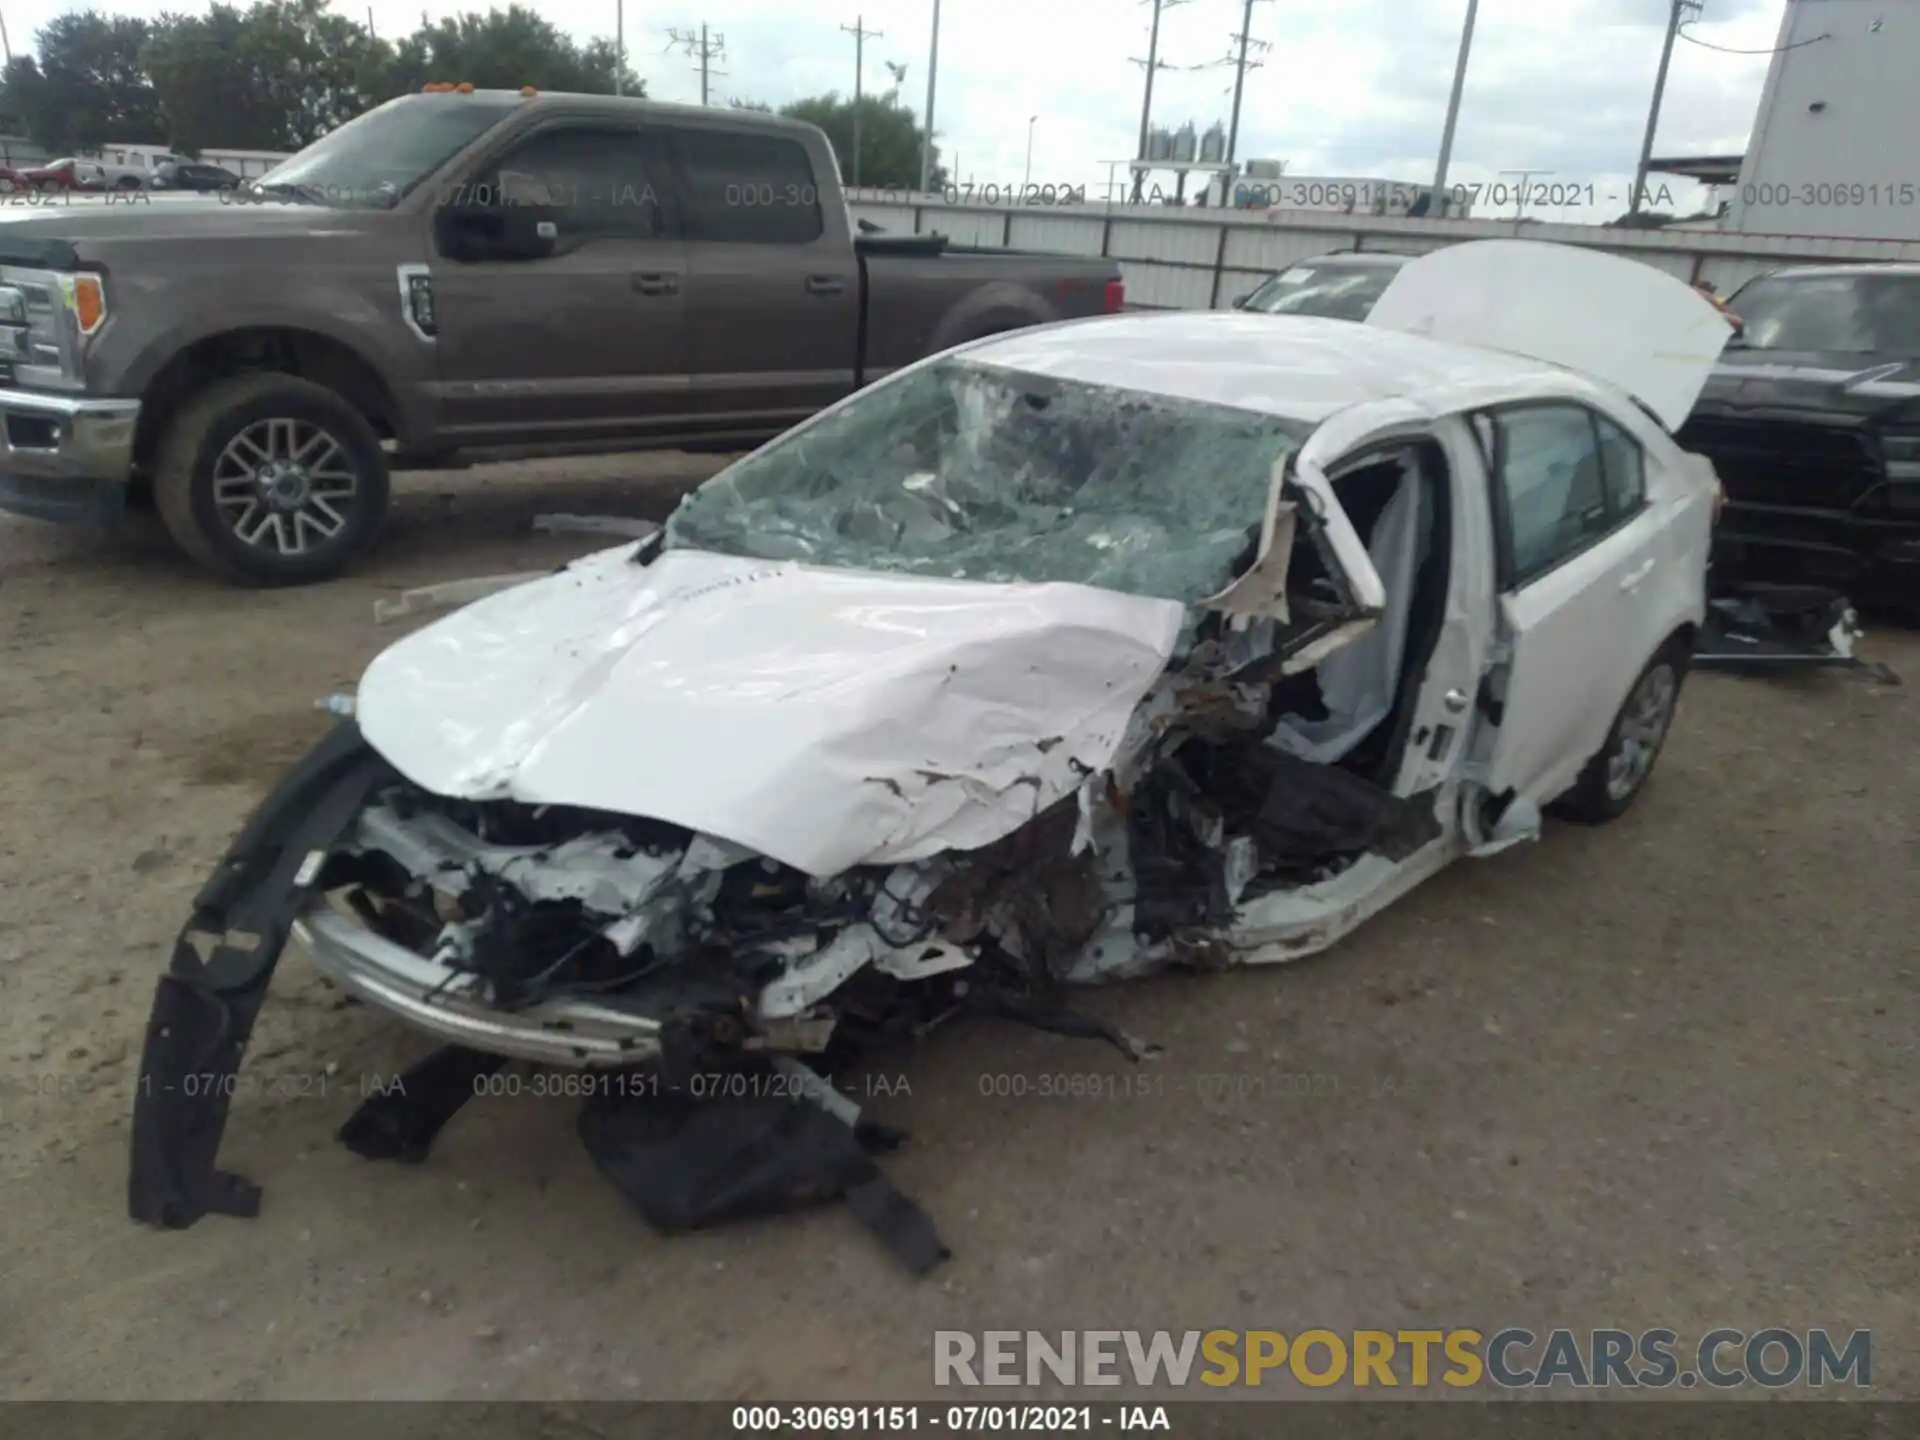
1633,577
826,285
656,282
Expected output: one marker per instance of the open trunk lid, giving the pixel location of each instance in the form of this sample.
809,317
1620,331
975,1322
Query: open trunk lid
1618,320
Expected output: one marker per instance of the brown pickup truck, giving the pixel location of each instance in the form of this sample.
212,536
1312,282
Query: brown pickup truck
454,276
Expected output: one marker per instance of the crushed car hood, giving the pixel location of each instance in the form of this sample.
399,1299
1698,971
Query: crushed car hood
825,718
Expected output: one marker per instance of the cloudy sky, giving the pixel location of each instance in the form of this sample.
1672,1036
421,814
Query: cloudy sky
1357,88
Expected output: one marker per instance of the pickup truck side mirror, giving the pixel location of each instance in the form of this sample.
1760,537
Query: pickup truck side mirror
494,232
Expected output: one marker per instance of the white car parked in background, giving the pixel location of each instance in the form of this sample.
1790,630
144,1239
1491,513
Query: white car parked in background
1059,657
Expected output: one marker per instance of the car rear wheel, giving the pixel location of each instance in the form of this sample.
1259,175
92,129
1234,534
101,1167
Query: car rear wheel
272,480
1614,778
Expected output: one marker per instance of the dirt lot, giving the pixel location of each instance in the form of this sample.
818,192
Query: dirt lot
1659,1074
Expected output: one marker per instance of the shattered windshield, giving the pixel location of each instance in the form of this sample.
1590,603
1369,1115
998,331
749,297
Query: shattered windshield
1327,289
1859,314
970,471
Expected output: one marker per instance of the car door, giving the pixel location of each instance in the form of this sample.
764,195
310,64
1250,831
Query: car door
587,339
1579,594
773,285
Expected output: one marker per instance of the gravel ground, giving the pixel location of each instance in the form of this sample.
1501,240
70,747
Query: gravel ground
1656,1074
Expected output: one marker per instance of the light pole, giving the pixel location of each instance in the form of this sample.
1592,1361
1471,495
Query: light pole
1439,202
619,47
1028,177
1681,10
933,64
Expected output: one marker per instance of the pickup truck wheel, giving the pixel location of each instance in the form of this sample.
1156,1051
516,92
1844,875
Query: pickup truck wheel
271,479
1614,778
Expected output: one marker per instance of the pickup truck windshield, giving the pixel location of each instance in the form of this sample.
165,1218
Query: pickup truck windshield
374,159
1859,314
1327,289
976,472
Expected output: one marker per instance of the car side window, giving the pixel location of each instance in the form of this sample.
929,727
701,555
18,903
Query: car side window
1553,497
749,189
597,181
1626,466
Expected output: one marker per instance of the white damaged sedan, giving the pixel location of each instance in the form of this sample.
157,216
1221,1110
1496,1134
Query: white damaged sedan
1073,653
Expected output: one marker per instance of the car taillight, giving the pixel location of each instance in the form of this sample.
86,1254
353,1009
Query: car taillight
1116,298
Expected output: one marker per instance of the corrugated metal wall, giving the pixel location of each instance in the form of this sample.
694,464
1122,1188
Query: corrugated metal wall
1201,260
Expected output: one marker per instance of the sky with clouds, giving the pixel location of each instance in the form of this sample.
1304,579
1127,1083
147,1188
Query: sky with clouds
1357,88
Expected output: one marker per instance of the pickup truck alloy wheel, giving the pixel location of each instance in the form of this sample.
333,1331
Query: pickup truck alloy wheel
284,485
272,479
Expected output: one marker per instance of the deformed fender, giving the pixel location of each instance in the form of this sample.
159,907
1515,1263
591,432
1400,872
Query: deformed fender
205,1005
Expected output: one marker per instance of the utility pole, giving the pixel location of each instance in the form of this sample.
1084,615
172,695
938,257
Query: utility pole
1153,62
860,37
933,64
619,45
1438,206
371,33
704,50
1682,10
1241,66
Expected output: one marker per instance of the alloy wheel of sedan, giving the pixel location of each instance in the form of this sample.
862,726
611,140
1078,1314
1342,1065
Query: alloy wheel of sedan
1643,726
285,485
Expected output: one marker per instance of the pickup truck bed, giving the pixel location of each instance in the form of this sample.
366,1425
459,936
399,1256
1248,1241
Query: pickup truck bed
576,273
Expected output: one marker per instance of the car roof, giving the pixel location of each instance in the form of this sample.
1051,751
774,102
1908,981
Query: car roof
1294,367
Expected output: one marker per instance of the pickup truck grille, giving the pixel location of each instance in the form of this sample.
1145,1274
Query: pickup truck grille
1773,462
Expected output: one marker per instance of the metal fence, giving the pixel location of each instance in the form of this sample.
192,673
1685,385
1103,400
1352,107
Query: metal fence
1201,260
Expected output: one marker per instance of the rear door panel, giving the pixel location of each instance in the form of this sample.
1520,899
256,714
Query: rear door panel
773,283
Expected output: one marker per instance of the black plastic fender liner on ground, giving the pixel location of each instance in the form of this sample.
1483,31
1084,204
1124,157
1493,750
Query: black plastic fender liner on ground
205,1005
688,1163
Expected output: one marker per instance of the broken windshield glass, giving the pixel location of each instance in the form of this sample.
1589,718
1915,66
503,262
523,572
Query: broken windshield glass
972,471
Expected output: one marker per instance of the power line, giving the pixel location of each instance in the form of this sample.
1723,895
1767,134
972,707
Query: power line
1770,50
1682,10
705,50
860,37
1240,67
1152,63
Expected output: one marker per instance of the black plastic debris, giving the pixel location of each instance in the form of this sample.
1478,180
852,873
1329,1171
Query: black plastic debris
205,1005
1758,628
401,1120
690,1163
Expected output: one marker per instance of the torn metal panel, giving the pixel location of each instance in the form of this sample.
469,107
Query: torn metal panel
824,718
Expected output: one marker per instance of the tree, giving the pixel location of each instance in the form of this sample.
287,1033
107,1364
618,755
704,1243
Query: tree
274,77
505,49
87,86
890,137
